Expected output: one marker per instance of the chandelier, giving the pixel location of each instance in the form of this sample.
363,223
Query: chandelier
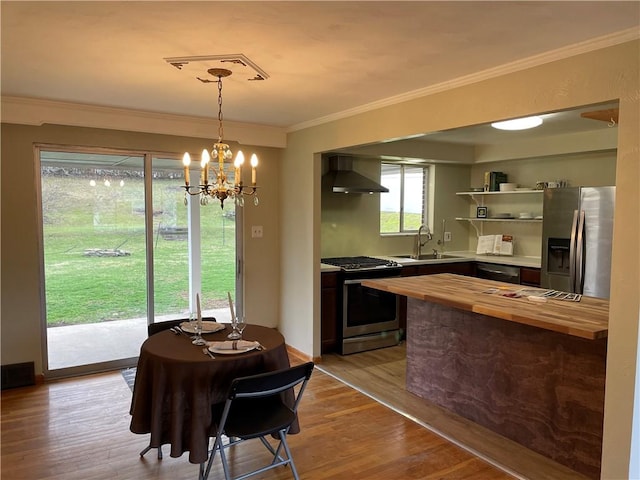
220,187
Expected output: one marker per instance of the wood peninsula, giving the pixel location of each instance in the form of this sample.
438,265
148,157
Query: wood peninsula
531,371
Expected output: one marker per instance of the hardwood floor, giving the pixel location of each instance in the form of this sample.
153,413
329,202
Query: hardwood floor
79,429
381,374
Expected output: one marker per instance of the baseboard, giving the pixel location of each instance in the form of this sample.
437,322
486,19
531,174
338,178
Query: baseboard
298,355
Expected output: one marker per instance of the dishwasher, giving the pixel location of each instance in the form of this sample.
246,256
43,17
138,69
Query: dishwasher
500,273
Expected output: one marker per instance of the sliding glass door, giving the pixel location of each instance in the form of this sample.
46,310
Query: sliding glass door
120,249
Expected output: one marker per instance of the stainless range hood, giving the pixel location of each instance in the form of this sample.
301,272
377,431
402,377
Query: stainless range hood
343,179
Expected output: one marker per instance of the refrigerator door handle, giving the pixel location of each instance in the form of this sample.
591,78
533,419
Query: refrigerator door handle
579,255
572,252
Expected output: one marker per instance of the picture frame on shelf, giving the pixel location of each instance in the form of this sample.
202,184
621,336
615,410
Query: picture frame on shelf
481,212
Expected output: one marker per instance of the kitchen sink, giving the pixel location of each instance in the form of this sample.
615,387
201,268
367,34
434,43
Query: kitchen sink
429,256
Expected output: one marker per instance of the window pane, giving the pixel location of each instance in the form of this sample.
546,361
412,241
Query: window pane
413,198
218,243
93,223
171,247
170,240
390,202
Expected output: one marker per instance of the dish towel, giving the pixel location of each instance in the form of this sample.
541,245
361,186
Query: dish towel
235,345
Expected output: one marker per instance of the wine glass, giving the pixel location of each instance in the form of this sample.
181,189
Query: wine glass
197,326
234,335
198,340
240,325
193,323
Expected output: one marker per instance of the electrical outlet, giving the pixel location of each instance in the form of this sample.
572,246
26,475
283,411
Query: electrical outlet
256,231
447,236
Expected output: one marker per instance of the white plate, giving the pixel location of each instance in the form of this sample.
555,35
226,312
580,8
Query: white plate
207,327
226,351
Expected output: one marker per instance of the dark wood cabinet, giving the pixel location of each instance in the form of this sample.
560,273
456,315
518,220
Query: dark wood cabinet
464,268
329,312
530,276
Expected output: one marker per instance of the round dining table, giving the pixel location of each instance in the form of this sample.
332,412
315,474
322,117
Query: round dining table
177,383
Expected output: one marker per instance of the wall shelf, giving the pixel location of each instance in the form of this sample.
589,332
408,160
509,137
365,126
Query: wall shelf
479,199
474,219
514,192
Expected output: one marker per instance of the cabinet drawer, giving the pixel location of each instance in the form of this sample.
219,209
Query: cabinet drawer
329,280
409,271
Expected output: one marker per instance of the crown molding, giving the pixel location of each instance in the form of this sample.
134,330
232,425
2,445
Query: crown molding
36,111
599,43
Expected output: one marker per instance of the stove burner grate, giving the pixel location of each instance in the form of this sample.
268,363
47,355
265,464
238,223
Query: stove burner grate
359,263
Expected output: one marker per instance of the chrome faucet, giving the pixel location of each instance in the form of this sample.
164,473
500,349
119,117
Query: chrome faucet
441,241
419,243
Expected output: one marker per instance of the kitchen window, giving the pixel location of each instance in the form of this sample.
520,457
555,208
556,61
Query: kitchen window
404,208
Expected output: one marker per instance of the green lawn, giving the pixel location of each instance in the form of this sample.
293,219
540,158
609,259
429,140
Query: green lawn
86,289
390,221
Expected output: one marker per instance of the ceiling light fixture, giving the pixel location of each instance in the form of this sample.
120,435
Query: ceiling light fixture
518,123
221,188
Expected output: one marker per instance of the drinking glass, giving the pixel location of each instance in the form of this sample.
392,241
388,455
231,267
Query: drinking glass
240,325
193,320
234,335
197,326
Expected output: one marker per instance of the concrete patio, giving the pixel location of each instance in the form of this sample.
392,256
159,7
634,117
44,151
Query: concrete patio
75,345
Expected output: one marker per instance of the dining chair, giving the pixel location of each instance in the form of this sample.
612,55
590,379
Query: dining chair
157,327
255,408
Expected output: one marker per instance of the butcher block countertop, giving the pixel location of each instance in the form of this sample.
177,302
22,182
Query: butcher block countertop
588,318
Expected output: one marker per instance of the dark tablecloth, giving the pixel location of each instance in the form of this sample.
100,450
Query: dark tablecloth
176,384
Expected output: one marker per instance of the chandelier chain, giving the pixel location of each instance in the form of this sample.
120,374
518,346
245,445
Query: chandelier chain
220,128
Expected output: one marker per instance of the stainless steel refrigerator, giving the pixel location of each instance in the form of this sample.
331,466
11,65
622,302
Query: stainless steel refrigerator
577,234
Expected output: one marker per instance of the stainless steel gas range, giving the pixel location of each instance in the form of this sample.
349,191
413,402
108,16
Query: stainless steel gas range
369,317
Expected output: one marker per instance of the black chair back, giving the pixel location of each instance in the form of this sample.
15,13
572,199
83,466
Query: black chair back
157,327
257,406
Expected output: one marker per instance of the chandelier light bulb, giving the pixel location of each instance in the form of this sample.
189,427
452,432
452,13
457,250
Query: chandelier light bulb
92,183
205,158
186,161
204,164
238,162
122,183
107,183
254,164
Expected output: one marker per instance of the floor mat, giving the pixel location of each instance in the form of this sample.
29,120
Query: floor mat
129,375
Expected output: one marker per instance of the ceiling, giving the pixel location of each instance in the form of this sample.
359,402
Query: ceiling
323,59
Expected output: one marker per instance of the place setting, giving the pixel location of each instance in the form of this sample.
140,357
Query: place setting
234,344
